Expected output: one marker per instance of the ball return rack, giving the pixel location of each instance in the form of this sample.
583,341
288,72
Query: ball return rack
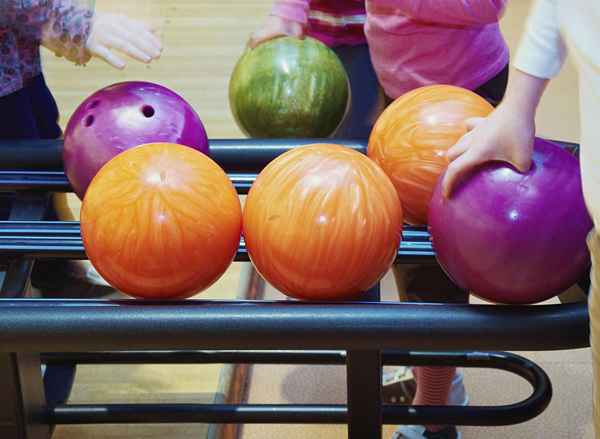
363,336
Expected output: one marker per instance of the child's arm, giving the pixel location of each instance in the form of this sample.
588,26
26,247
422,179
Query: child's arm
452,12
287,17
71,29
507,134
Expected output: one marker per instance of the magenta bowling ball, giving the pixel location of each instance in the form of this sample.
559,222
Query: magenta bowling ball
120,117
514,238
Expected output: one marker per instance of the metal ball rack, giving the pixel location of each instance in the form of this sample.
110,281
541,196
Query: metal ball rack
363,336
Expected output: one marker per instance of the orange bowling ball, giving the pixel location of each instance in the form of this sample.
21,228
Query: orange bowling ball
322,222
161,221
410,138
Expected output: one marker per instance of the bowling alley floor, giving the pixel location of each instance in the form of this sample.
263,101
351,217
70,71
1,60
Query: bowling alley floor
202,42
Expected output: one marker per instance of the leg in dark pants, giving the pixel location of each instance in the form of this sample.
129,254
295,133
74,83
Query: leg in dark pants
367,98
32,113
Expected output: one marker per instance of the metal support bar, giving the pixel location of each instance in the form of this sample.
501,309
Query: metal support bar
22,400
338,414
62,239
363,378
256,153
363,384
199,357
25,206
182,325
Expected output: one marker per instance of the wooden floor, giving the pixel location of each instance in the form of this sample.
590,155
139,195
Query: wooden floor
203,39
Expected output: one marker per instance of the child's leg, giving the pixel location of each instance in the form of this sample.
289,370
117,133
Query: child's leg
44,108
18,120
594,310
367,100
421,283
37,102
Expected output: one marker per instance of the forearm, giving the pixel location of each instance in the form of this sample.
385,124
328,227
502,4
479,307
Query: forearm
524,92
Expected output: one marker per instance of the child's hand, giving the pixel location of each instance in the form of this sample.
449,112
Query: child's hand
276,27
506,135
131,37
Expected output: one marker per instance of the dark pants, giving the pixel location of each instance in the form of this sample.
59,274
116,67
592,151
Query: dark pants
493,90
420,283
32,113
367,100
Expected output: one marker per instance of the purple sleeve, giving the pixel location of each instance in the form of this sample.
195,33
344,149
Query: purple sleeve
452,12
62,26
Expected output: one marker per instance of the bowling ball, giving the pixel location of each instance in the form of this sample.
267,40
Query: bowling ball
289,87
412,135
122,116
322,222
161,221
513,237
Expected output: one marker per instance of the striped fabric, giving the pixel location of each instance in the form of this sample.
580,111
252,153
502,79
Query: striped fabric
337,22
334,22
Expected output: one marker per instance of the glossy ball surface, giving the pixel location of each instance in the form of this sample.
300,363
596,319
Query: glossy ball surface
322,222
161,221
289,87
123,116
515,238
412,135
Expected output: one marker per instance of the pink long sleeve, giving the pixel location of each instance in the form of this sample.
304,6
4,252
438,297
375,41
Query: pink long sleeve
452,12
293,10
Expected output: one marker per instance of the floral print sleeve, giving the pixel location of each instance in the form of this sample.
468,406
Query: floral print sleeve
62,26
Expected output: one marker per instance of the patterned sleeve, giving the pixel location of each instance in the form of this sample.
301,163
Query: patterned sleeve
62,26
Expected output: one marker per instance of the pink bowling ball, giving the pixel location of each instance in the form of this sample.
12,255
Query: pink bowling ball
121,116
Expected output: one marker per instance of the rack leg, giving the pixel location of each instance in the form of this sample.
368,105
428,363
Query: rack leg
22,400
363,378
364,394
23,404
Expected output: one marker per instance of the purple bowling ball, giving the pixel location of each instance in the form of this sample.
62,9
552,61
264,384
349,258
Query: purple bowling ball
514,238
120,117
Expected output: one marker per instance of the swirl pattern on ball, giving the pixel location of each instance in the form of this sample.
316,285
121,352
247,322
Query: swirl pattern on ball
412,135
322,222
161,221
